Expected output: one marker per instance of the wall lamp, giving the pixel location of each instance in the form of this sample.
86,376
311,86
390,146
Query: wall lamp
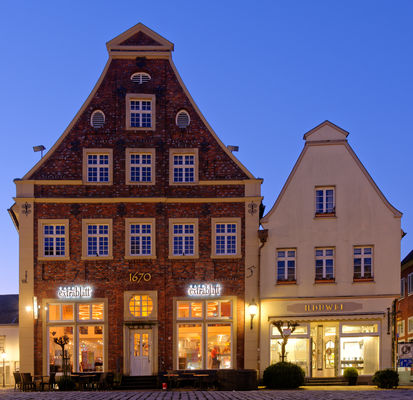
40,148
252,310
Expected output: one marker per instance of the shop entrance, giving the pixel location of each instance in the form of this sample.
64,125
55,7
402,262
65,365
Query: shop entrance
324,349
140,352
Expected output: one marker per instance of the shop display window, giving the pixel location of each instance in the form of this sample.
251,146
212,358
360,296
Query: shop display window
190,309
219,346
60,312
361,353
219,309
88,312
297,350
57,360
299,330
370,328
90,348
190,346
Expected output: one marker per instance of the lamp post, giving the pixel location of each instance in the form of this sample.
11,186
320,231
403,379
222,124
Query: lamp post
3,356
252,310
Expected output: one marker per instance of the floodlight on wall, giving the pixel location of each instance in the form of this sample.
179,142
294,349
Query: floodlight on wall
232,148
40,148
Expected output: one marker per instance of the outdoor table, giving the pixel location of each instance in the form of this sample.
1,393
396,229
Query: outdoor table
202,379
171,379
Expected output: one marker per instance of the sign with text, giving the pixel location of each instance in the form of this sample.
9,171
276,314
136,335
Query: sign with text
324,307
204,290
74,292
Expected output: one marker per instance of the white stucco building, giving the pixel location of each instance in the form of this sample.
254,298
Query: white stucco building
331,263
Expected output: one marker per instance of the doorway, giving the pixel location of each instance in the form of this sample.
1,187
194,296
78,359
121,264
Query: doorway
141,352
324,349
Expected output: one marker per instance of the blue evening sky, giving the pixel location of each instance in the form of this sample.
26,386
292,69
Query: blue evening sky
263,73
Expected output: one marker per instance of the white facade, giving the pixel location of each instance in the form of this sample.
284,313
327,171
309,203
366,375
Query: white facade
330,213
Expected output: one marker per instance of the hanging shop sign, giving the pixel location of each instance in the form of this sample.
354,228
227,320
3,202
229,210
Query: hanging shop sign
204,290
74,292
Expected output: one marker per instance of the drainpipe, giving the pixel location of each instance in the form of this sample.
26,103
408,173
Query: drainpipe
263,236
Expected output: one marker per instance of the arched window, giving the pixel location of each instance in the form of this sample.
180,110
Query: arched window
98,119
182,119
140,77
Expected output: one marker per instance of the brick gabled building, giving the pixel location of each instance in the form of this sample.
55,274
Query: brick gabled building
136,230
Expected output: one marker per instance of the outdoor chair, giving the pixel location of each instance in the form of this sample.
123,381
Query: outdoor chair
27,381
17,380
50,381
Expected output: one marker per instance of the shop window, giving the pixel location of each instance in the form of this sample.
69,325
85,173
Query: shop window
286,262
370,328
297,350
189,309
57,360
219,346
140,237
299,330
90,348
140,166
53,239
402,287
183,238
97,166
219,309
141,306
90,312
190,346
361,353
140,111
363,262
324,264
324,201
97,239
60,312
183,166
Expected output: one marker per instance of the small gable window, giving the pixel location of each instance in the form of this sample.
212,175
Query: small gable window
98,119
140,77
182,119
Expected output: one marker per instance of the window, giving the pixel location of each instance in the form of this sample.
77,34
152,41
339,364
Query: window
182,119
325,201
140,166
53,239
60,312
141,305
190,309
183,238
400,328
140,111
97,238
226,237
90,312
97,168
97,119
363,262
410,325
286,259
324,264
410,283
402,287
183,166
140,238
2,343
140,77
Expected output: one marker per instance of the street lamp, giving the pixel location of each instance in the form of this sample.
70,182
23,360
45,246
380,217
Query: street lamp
3,356
252,310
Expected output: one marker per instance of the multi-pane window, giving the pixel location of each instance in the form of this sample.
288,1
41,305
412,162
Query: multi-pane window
324,263
410,283
183,239
226,239
54,240
140,167
140,113
286,264
402,287
363,262
184,168
98,167
141,305
140,237
324,201
97,240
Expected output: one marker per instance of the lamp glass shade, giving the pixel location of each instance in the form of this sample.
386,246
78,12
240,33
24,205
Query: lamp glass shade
252,309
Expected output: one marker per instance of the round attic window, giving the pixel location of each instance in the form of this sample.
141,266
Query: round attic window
182,119
141,305
140,77
98,119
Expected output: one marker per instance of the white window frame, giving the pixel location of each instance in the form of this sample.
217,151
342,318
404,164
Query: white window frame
190,317
401,328
172,167
324,259
140,97
141,152
98,152
90,319
172,235
410,325
219,316
128,235
362,257
403,287
225,221
93,115
410,283
41,239
285,259
325,210
85,238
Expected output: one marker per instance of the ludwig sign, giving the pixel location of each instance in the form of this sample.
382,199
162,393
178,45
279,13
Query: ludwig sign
204,290
74,292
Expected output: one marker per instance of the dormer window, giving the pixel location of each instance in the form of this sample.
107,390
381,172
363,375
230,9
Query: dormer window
140,77
182,119
97,119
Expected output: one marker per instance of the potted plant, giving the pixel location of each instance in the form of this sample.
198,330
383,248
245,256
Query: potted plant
351,374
